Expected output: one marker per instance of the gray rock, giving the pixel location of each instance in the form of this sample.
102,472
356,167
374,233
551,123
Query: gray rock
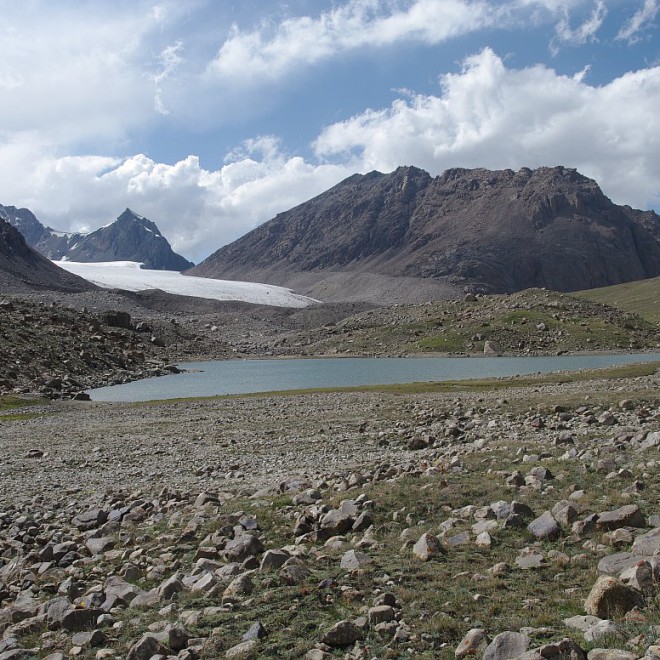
530,561
609,598
427,547
336,523
605,629
625,516
647,544
146,647
639,577
100,545
80,619
243,547
256,631
247,650
581,623
506,645
611,654
545,527
566,649
294,571
273,559
353,560
380,614
473,644
565,513
238,588
343,633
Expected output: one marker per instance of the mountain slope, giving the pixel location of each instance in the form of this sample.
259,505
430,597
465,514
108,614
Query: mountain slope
22,269
495,231
129,238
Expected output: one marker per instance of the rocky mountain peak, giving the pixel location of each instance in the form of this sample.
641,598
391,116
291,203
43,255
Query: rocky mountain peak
130,237
409,236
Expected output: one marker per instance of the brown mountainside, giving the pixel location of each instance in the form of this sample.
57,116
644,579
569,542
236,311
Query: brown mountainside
494,231
22,269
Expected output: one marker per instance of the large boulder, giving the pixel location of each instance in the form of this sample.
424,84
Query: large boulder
611,598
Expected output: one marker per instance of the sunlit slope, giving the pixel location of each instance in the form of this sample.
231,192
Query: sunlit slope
641,297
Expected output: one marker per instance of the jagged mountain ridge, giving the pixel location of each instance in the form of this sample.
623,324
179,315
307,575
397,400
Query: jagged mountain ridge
495,231
23,269
130,237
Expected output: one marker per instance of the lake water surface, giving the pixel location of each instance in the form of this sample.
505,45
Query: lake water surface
247,376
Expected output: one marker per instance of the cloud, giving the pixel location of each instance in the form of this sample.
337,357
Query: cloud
491,116
198,210
276,49
170,60
585,32
639,21
486,115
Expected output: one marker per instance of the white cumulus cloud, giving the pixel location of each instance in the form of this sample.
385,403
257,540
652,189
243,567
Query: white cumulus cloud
274,50
491,116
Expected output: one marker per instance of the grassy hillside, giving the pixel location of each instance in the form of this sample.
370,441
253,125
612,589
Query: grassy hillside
641,297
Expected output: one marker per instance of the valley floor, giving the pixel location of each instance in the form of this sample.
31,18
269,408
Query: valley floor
353,524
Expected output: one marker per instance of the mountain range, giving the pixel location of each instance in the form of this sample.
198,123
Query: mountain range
408,236
130,237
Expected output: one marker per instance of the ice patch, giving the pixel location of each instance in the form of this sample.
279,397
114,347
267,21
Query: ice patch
130,276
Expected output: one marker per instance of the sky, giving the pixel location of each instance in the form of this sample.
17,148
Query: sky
209,117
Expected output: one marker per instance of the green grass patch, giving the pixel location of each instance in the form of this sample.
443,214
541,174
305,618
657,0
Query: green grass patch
642,297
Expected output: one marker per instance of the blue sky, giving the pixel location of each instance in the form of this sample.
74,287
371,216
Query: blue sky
209,117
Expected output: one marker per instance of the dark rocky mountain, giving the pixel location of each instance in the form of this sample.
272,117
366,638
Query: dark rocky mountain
129,238
23,269
409,236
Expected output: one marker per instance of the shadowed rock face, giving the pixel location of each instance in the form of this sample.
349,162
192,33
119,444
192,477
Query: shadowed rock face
129,238
23,269
495,231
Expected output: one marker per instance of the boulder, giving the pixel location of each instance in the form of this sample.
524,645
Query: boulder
506,645
427,547
545,527
625,516
610,598
473,644
343,633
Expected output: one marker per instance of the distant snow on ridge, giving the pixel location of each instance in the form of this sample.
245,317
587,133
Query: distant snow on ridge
129,276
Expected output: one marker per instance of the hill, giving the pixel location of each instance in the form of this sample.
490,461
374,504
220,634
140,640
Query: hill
23,270
407,236
130,237
642,298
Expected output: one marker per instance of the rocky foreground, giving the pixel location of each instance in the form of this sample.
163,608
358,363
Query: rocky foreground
521,522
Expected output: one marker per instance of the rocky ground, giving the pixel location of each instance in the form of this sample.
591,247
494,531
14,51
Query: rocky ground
521,522
60,344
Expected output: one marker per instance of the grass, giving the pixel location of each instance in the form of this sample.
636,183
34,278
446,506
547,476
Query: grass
11,403
641,297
